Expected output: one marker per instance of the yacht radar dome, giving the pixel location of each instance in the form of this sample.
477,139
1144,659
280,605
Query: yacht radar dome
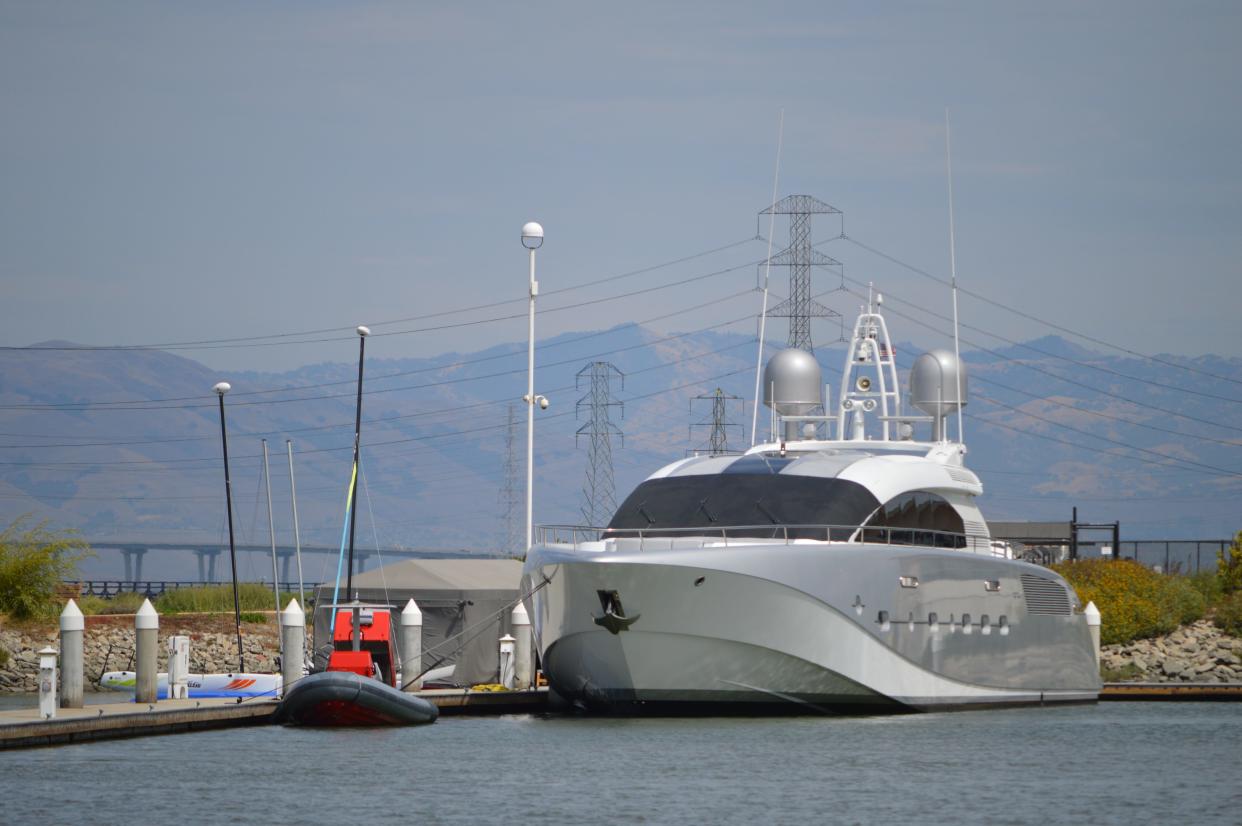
792,384
935,381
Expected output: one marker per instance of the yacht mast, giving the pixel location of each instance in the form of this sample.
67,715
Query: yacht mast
957,349
767,268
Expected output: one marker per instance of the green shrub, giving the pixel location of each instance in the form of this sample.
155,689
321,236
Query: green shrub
1182,600
1127,672
1229,566
252,616
1229,614
4,657
33,563
1208,584
1134,602
123,603
219,598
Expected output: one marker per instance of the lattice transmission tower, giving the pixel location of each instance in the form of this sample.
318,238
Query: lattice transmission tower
599,498
718,421
511,502
800,256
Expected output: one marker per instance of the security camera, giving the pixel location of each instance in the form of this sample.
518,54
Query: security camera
543,402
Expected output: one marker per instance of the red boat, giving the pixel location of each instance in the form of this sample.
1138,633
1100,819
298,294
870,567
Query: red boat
359,686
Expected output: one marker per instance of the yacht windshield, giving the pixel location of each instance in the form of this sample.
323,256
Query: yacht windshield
725,500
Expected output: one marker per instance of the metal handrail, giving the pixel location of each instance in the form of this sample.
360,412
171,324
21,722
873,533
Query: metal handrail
575,535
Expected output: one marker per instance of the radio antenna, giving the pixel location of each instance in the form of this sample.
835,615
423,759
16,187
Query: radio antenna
957,348
767,268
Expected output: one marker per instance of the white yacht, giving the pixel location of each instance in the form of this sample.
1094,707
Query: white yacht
841,566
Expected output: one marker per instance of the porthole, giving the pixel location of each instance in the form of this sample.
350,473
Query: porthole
1003,624
883,620
985,627
966,623
933,622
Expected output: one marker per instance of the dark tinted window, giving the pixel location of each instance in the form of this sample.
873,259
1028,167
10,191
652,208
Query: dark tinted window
731,499
918,514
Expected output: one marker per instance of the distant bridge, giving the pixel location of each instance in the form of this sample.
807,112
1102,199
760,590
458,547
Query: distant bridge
208,554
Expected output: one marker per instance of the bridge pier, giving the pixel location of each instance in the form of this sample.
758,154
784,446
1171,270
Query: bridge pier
207,563
133,563
285,557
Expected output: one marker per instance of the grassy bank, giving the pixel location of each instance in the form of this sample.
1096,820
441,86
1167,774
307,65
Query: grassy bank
255,601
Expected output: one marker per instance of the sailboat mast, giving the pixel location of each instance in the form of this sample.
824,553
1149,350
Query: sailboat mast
271,532
220,389
297,534
363,332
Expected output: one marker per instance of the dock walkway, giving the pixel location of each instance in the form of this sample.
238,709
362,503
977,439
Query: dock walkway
1172,692
23,728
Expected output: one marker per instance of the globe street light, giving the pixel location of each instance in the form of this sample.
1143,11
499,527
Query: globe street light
220,389
532,239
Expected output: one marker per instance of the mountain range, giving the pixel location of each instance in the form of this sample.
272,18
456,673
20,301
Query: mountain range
125,444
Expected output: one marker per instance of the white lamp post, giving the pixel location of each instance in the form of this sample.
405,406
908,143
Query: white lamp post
532,239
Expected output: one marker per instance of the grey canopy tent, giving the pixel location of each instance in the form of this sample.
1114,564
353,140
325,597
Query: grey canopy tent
465,603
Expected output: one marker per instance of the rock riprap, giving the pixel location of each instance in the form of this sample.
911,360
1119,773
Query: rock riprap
1196,653
109,645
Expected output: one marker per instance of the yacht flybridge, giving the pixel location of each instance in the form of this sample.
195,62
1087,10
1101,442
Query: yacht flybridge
842,565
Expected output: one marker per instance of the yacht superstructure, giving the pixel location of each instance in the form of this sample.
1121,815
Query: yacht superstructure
840,565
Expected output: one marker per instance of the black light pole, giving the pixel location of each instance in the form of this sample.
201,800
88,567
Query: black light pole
222,388
363,332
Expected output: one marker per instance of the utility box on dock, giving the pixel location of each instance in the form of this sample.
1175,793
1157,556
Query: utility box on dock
47,683
507,661
178,667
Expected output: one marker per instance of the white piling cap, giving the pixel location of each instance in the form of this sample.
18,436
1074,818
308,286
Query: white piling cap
519,615
293,614
410,615
507,638
71,618
1092,614
47,657
146,618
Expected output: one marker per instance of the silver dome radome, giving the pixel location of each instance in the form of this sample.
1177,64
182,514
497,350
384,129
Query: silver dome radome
792,382
934,383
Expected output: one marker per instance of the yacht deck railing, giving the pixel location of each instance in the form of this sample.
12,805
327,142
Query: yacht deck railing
669,538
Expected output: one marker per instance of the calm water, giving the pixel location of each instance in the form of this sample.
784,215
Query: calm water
1112,763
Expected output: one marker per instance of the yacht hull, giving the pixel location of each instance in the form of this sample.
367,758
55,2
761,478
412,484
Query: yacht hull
798,628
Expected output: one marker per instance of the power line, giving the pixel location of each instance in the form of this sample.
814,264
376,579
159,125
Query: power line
281,339
1029,366
1081,446
1037,319
372,391
203,343
305,452
381,420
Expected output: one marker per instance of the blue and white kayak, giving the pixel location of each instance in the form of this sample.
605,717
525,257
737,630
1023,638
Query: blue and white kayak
201,685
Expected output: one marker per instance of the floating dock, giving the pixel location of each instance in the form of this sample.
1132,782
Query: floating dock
1172,692
23,728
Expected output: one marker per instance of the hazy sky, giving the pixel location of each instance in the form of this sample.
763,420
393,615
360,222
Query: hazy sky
177,172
